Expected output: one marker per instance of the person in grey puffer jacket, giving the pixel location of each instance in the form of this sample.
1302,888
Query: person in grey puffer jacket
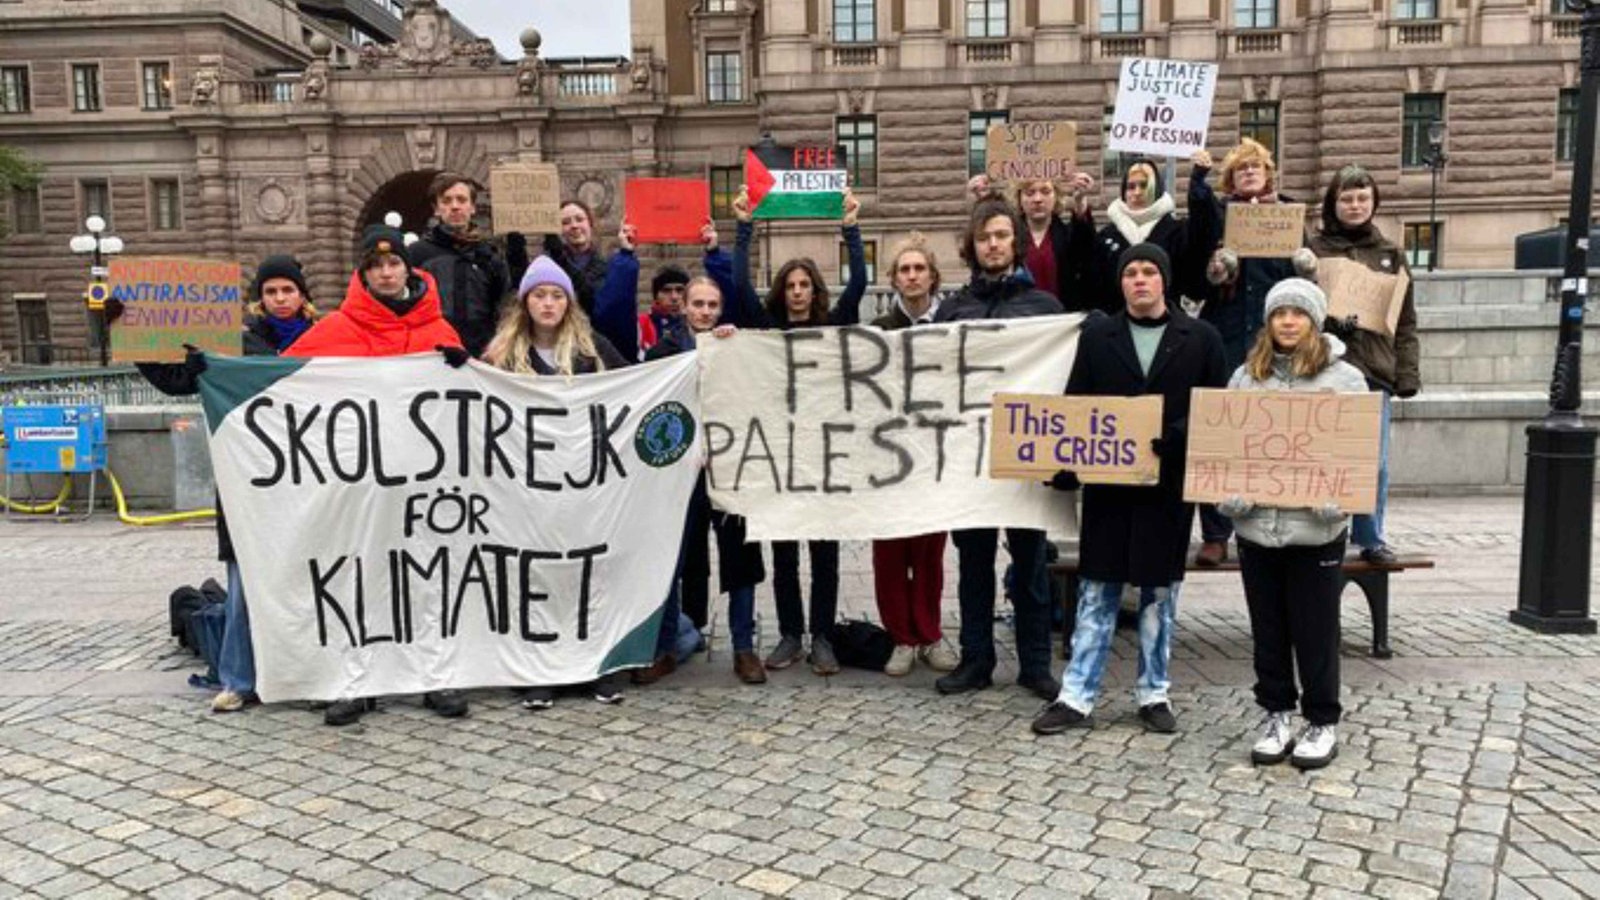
1291,558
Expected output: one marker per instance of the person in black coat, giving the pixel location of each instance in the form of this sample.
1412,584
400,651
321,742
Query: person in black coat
1135,535
1058,248
1146,213
473,279
999,288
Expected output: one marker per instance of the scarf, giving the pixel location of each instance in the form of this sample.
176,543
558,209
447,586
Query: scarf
284,331
1343,240
1136,225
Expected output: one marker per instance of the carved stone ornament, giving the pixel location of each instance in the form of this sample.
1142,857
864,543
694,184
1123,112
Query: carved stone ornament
640,76
274,202
206,82
424,148
991,96
528,77
595,191
1427,77
857,100
1262,85
425,35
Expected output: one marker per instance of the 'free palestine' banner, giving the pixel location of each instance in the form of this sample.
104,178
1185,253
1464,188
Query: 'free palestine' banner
855,433
402,526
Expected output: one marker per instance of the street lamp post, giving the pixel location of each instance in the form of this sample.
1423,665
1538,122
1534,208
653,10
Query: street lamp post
1558,495
1435,161
101,245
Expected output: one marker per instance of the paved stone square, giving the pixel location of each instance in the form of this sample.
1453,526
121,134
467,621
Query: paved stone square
1469,764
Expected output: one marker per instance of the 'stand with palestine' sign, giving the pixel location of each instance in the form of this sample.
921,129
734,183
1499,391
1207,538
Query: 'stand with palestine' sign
1284,448
1030,151
1163,107
855,433
169,302
1102,440
403,526
526,198
796,182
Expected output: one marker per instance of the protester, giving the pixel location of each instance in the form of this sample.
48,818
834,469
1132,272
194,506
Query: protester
575,250
389,309
279,312
1135,535
1059,251
1389,362
1145,213
739,564
999,287
908,573
472,277
616,306
1237,287
798,298
546,333
1290,558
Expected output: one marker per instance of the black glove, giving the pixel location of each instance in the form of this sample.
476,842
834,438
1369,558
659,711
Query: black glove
455,357
1406,393
1341,328
1064,481
113,310
1160,446
553,248
194,361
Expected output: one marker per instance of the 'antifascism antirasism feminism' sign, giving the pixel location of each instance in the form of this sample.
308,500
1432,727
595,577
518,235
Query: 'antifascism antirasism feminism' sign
402,526
856,433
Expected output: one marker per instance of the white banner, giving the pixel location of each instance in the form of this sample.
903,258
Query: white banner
1163,107
402,526
856,433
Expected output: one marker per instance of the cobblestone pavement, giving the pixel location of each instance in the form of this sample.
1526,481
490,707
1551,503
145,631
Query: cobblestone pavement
1468,766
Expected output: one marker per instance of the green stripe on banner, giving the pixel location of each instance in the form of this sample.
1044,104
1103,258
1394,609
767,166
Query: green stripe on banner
228,382
637,647
801,205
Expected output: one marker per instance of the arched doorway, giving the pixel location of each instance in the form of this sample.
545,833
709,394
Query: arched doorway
405,194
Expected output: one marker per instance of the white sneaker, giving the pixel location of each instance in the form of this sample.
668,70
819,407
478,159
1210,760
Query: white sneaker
900,660
1316,747
1277,737
940,656
227,702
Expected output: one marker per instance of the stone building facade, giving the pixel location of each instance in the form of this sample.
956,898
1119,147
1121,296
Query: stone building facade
266,142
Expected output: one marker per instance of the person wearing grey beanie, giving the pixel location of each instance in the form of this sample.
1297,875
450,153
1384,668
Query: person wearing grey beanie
1290,558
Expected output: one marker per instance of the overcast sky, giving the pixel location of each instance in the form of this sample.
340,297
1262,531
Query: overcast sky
569,27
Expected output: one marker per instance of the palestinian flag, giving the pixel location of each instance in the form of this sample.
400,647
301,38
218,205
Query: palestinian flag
795,182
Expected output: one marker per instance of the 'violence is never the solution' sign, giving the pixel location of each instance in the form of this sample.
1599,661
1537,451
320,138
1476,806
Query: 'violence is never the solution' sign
855,433
402,526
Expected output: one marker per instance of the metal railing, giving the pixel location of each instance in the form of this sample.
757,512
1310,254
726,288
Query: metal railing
114,386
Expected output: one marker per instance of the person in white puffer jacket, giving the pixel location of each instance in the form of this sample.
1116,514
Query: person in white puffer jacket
1290,558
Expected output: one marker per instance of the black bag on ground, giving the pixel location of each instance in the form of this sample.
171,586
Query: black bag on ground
184,603
860,644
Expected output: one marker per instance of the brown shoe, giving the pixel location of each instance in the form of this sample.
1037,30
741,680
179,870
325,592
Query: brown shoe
1212,554
661,668
747,665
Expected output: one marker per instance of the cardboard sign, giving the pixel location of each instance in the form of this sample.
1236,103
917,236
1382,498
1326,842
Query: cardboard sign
1284,448
666,210
1268,230
526,198
169,302
796,182
1163,107
1103,440
1374,298
1031,151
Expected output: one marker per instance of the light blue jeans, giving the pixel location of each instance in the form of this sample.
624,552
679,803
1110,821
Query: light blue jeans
1098,602
236,661
1367,531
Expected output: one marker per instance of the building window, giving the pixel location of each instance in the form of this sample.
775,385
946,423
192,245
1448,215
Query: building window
157,81
1120,16
95,195
14,94
858,135
721,6
1255,13
86,87
1112,164
1259,122
987,19
25,214
1416,9
724,78
1422,244
871,255
1566,125
33,327
164,204
725,181
1418,112
855,21
978,139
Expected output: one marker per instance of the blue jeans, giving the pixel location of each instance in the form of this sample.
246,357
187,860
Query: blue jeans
742,617
667,640
1366,531
236,662
1098,602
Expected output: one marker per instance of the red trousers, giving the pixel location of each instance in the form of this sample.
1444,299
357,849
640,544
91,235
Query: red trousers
909,575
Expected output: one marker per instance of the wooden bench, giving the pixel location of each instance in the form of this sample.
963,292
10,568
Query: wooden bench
1372,578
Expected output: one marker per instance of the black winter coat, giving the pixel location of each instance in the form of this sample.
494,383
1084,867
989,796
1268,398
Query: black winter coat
473,282
1072,242
1235,309
1011,297
1140,535
1169,234
583,365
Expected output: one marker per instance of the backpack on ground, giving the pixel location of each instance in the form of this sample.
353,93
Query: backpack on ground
860,644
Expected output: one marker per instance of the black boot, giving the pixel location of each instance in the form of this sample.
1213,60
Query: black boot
969,676
449,704
347,712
